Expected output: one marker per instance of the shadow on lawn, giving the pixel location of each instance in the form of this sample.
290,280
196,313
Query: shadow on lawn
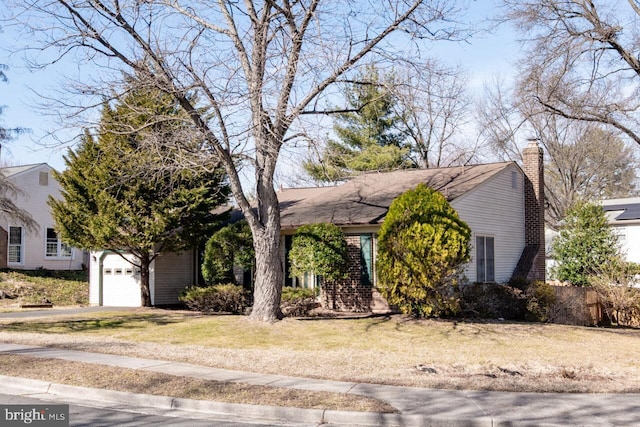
85,325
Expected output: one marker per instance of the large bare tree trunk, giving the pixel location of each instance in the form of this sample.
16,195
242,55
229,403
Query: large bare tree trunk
145,290
265,226
269,275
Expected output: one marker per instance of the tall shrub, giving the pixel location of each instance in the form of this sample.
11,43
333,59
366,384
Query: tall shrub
422,247
320,249
586,244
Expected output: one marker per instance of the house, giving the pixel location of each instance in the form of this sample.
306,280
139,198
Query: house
502,203
25,248
624,217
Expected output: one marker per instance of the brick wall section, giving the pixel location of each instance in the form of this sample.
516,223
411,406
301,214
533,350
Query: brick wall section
533,166
348,294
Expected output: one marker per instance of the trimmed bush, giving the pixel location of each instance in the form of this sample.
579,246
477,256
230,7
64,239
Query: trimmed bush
540,300
422,248
493,301
228,298
529,301
298,302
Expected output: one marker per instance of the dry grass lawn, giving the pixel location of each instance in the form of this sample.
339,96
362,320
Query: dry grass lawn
136,381
387,350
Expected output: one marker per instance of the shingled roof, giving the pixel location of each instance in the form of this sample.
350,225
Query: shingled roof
365,199
620,211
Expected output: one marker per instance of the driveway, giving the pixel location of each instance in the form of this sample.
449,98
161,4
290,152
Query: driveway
59,311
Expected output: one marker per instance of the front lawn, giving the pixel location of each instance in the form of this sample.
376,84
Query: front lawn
389,350
61,288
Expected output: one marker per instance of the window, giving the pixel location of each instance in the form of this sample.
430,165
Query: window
54,248
485,262
16,245
366,262
514,180
44,179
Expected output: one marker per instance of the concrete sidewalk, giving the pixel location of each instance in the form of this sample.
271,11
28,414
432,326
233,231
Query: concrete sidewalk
416,406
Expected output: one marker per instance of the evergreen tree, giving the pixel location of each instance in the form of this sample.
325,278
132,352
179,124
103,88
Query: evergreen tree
366,140
585,246
422,247
119,196
230,246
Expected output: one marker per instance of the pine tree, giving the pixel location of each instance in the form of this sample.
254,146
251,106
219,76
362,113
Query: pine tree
367,140
119,195
585,246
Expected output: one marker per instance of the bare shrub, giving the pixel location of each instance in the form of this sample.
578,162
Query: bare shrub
617,292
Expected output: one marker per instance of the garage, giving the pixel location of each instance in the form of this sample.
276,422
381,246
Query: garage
120,282
114,281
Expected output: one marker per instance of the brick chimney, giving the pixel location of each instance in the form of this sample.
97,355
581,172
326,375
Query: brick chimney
533,166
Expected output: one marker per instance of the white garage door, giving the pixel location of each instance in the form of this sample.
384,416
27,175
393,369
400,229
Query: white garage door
120,283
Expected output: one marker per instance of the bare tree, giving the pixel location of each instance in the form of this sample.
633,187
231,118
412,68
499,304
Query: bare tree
433,105
582,59
256,66
8,190
584,160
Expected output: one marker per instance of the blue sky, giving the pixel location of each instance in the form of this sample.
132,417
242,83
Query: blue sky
483,56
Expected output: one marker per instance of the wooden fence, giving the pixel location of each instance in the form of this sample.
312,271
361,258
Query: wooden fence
576,306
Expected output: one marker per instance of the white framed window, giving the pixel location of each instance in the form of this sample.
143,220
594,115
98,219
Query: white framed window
485,259
54,248
15,253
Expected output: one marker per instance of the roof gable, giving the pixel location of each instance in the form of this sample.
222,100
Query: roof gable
12,171
365,199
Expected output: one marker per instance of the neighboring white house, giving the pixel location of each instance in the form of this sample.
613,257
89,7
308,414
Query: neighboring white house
22,248
624,217
114,281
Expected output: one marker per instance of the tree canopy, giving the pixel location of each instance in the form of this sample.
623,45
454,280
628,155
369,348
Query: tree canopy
8,191
580,59
257,66
367,136
117,196
422,246
583,161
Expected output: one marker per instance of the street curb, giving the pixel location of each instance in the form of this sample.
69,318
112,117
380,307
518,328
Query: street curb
260,412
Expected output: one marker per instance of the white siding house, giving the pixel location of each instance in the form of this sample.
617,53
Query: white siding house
501,202
624,217
22,248
495,213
